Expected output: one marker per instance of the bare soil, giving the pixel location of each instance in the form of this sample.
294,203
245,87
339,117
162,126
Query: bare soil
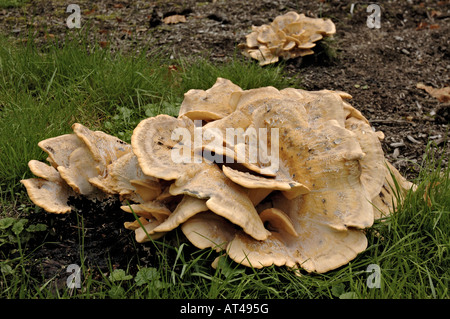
378,67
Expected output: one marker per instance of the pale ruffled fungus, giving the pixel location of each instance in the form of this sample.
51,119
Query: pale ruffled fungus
79,165
212,104
49,191
330,152
155,146
303,202
289,36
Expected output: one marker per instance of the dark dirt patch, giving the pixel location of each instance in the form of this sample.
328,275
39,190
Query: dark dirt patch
378,67
93,235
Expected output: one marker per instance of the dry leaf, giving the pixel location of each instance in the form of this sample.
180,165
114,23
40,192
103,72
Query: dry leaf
173,68
174,19
88,12
435,13
421,26
143,29
443,95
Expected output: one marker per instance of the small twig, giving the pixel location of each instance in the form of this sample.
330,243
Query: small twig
389,121
443,16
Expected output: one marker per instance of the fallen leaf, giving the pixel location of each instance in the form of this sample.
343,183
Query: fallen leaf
103,44
435,13
118,5
174,19
434,26
88,12
421,26
443,94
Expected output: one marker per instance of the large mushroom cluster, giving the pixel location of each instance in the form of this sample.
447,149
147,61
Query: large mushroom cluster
304,204
288,36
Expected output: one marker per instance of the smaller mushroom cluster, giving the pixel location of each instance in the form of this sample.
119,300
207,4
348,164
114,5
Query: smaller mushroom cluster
289,36
330,182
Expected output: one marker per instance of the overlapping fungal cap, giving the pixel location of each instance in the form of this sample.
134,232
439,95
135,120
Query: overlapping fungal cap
394,188
169,156
212,104
289,36
319,199
49,191
297,182
125,177
85,163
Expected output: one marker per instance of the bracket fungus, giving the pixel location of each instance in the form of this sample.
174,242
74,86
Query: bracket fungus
288,36
300,198
81,164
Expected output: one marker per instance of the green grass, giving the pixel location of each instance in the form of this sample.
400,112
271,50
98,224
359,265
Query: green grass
44,91
5,4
